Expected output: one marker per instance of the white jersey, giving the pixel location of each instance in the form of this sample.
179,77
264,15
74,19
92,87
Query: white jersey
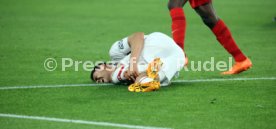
156,45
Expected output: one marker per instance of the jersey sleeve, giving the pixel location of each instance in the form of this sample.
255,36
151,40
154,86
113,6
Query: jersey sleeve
118,75
119,50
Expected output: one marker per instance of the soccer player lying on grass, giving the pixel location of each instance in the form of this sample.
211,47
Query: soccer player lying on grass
144,61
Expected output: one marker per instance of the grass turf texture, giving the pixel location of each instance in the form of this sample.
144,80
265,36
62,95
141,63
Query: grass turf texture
31,31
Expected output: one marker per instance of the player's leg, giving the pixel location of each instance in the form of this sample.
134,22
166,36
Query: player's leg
207,14
224,36
178,21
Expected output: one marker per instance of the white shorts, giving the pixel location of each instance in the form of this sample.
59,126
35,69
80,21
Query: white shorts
159,45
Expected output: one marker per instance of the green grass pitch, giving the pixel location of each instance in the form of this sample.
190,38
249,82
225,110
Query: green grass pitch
34,30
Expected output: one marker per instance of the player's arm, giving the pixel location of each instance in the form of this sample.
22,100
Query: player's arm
136,43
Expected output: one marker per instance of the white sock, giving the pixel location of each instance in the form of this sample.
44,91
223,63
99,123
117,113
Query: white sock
145,80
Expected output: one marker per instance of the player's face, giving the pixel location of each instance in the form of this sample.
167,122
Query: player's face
101,76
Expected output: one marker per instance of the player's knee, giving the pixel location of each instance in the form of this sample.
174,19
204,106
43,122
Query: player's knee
209,21
175,4
207,15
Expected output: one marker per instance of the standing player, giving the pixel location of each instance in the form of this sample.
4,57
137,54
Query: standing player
145,60
206,11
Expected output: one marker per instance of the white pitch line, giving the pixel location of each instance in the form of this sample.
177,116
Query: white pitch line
110,84
79,121
53,86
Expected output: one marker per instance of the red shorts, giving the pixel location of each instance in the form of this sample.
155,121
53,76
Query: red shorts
196,3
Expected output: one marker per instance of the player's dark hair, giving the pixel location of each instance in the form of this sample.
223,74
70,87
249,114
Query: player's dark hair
94,70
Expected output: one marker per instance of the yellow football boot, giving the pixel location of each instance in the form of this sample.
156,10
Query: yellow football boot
144,87
149,83
153,68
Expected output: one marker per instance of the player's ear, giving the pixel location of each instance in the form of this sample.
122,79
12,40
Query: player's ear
92,73
102,66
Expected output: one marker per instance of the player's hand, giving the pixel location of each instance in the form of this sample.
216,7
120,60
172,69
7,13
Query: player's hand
128,77
132,72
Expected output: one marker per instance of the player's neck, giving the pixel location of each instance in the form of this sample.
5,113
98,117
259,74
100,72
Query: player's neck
111,71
